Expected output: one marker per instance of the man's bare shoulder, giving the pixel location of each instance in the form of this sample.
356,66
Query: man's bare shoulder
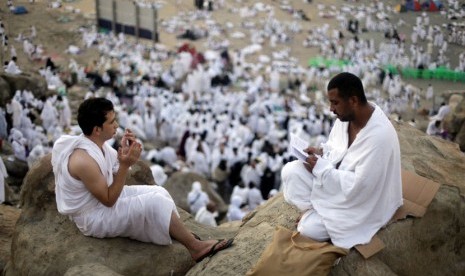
80,161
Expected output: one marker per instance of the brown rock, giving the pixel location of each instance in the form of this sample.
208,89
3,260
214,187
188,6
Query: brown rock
4,92
431,157
8,217
91,269
47,243
34,83
456,123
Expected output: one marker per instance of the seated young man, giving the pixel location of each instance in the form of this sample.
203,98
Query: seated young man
90,187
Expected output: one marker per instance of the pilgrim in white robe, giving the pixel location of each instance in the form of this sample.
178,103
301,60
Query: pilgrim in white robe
254,198
142,212
429,92
49,116
150,125
12,68
234,210
15,109
197,198
3,175
36,153
18,143
353,201
242,192
3,125
205,217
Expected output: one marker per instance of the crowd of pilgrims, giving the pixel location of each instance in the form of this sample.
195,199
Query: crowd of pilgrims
213,112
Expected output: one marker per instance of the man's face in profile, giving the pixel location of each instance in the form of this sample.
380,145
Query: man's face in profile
341,107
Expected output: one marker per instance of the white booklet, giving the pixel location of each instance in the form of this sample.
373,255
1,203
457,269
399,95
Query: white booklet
297,146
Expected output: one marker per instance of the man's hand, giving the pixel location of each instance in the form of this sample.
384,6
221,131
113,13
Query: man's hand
312,158
128,139
129,155
310,162
313,150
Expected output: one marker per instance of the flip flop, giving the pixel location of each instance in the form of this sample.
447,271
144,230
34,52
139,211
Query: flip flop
214,249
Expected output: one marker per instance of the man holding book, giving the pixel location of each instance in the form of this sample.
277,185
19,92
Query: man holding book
350,187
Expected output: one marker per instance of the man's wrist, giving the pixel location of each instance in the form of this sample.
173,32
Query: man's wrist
124,166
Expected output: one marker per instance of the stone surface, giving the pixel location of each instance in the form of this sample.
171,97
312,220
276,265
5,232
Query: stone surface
34,83
8,217
47,243
4,92
17,170
456,123
91,269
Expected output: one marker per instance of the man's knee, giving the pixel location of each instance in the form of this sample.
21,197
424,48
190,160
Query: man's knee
289,170
311,225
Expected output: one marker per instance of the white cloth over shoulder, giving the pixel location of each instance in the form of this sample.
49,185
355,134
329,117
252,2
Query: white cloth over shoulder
361,196
141,212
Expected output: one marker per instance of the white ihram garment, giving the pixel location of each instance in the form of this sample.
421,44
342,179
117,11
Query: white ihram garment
141,212
358,198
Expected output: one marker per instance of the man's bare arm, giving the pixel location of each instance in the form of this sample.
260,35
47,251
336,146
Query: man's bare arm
83,167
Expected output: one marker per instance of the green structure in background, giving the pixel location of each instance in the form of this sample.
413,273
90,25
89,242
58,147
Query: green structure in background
323,62
440,73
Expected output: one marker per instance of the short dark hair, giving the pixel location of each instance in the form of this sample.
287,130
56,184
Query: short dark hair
92,112
348,85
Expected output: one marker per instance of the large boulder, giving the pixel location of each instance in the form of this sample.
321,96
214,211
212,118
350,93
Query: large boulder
4,92
47,243
91,269
34,83
8,217
456,123
16,168
431,157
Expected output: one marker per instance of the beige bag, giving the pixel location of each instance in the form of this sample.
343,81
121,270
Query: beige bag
293,254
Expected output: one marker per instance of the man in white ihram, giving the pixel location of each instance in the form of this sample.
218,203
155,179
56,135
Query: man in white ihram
351,187
90,187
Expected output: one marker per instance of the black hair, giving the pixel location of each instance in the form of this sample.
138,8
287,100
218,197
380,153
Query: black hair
92,112
348,85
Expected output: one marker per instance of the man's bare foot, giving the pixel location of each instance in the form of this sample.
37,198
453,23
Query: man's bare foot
210,248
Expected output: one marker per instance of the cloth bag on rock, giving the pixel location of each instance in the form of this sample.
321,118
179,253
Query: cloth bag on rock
293,254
